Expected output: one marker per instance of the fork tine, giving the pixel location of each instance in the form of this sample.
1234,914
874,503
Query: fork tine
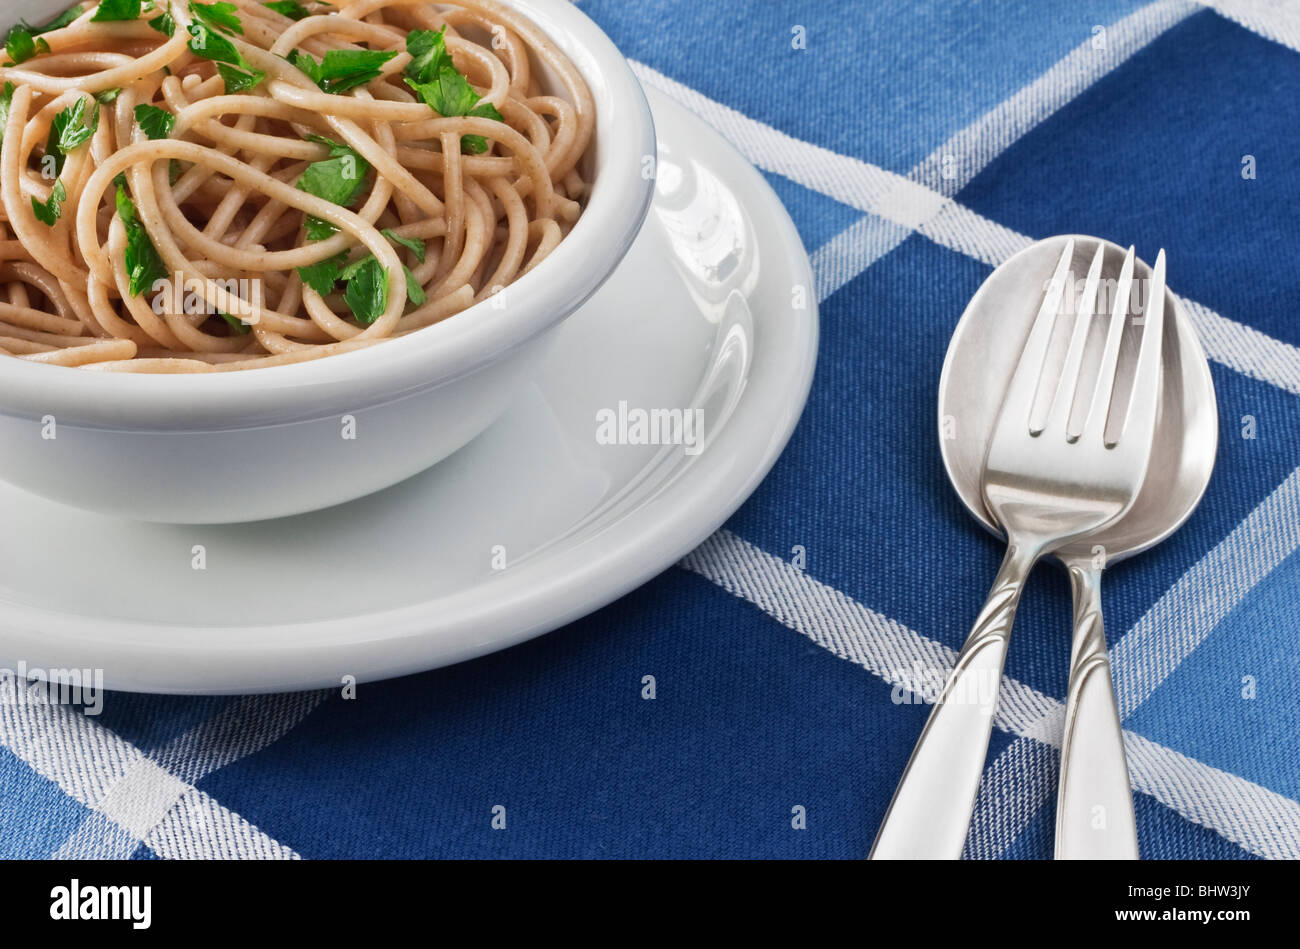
1140,422
1063,401
1095,424
1030,370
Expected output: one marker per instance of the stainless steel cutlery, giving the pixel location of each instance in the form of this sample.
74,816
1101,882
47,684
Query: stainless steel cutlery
1058,460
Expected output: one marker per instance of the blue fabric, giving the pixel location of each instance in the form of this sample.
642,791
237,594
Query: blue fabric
556,731
1158,162
887,81
35,811
755,720
1247,652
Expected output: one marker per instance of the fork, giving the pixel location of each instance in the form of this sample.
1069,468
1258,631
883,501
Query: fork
1051,475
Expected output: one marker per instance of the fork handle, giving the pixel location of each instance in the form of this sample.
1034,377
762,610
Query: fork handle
1094,808
929,816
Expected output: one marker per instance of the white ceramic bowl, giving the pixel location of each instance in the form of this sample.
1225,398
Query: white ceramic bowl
244,446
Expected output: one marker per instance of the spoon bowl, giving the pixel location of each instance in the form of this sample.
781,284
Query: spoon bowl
982,357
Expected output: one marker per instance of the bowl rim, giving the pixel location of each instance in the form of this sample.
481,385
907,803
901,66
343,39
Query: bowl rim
434,356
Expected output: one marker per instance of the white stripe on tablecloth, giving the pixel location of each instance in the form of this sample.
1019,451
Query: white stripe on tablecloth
198,828
81,757
141,797
843,626
1190,610
909,205
894,207
850,181
194,826
149,793
1012,790
1254,817
242,728
952,165
1277,20
853,250
128,791
1245,348
96,836
1258,820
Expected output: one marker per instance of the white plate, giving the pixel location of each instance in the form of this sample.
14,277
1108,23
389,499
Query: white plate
703,313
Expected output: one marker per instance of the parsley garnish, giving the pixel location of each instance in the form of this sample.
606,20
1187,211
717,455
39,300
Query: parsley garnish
72,128
66,18
219,16
290,8
144,267
239,326
111,11
69,131
414,292
428,54
338,179
319,230
155,122
164,24
410,243
237,80
21,44
367,291
321,277
50,211
107,96
342,69
208,43
6,102
435,78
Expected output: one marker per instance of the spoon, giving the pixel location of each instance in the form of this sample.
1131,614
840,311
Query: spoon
1095,804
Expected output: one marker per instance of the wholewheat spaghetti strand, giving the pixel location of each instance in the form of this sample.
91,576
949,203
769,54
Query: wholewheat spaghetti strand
452,207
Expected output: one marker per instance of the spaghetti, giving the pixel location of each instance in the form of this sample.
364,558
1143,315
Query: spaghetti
203,187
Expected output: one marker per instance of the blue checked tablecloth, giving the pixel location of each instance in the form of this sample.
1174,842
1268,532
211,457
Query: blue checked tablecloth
916,144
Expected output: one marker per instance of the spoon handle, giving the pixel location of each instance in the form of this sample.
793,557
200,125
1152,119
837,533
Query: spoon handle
929,817
1094,808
